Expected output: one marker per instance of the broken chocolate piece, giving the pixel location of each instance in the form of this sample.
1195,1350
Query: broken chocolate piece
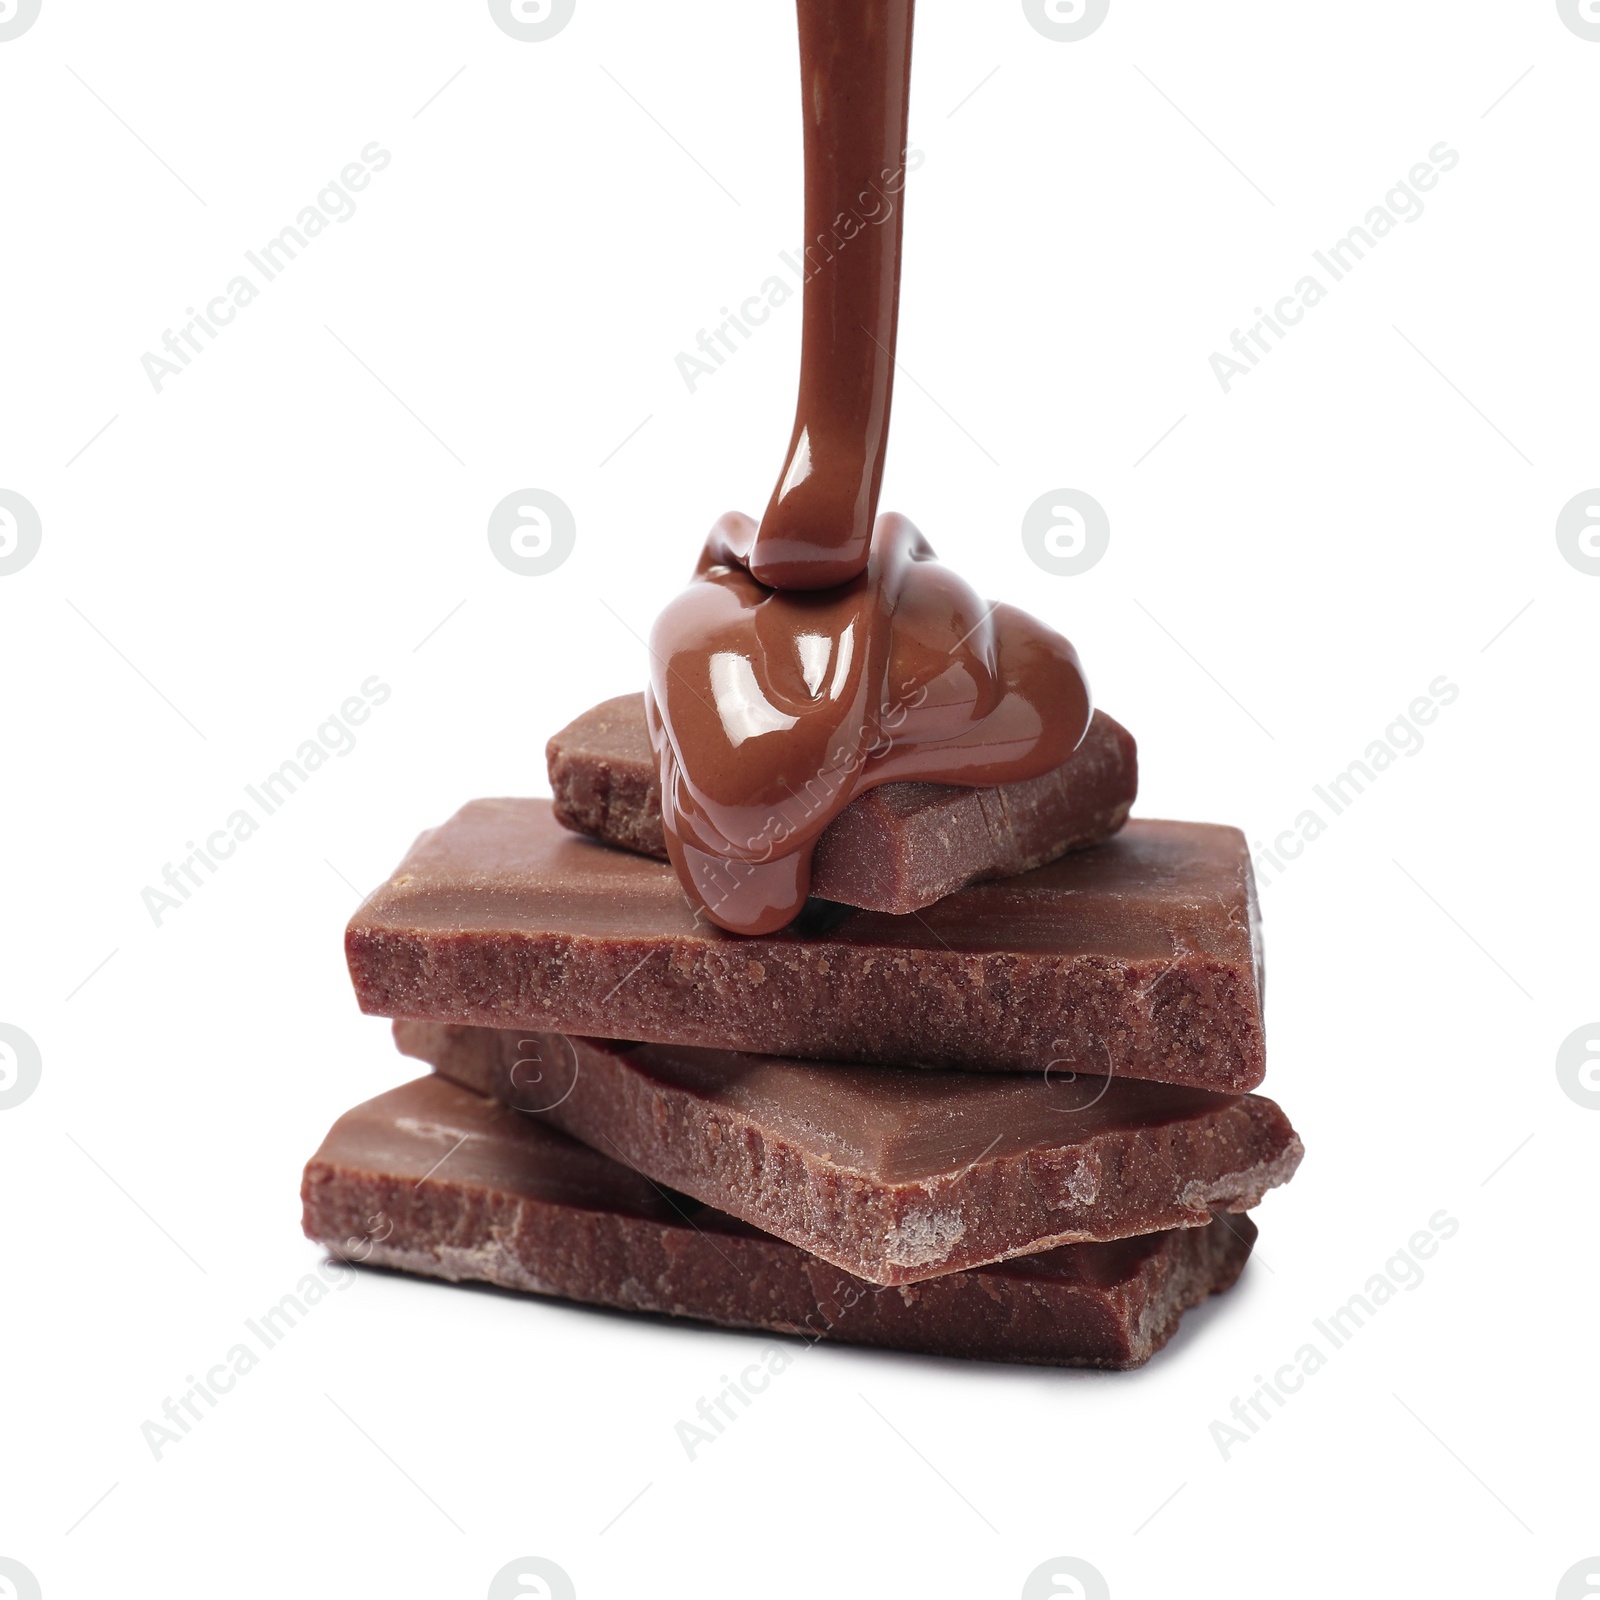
1136,958
433,1179
893,1174
897,848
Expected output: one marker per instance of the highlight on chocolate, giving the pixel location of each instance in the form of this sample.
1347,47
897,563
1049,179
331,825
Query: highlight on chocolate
836,992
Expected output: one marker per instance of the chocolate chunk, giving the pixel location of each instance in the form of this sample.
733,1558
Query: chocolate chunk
892,1174
1136,958
433,1179
897,848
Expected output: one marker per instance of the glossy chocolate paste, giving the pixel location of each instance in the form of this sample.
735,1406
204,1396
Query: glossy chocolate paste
825,652
770,711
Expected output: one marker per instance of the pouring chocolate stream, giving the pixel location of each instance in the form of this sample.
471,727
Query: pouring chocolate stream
855,81
826,651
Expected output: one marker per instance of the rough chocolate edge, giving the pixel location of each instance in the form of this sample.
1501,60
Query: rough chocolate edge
887,1233
1014,1312
896,849
1189,1019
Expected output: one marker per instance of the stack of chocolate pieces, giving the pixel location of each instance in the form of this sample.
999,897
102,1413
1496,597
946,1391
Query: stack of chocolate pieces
987,1097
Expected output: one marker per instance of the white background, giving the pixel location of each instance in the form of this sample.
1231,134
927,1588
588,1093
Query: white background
1293,563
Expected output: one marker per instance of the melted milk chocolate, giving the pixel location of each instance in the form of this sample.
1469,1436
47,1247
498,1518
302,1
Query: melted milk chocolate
855,75
826,652
771,710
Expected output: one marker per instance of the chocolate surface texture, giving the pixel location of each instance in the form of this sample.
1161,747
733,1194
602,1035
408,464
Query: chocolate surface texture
770,711
1136,958
897,848
892,1174
433,1179
894,832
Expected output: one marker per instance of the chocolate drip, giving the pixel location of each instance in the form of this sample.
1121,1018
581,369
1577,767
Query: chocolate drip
855,73
826,652
771,710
